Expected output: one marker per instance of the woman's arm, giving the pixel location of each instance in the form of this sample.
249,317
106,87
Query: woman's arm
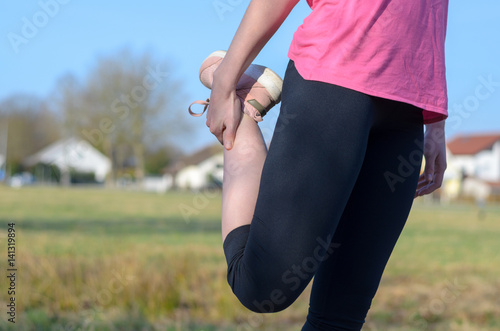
261,20
435,159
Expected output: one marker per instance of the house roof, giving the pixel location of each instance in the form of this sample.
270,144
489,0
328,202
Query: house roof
195,158
472,144
72,153
494,184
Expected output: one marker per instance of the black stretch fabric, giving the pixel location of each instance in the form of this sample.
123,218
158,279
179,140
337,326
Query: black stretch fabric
336,189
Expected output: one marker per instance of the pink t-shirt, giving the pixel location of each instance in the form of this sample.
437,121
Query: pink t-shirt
392,49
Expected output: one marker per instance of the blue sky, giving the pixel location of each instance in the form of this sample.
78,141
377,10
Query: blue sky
70,39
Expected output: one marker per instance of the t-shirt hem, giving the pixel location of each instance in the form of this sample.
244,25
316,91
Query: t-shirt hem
431,113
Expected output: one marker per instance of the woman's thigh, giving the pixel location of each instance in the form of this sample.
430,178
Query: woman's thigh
372,221
313,163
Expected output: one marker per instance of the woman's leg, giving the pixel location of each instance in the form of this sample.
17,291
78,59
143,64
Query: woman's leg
313,162
242,170
371,223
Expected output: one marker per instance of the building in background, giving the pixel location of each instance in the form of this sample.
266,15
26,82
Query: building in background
201,170
72,156
473,167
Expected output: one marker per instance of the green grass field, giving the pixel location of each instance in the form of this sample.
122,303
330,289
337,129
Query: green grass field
113,260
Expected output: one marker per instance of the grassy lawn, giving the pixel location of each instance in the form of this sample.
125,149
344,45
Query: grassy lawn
116,260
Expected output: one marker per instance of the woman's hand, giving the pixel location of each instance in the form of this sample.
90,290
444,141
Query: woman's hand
261,20
224,113
435,159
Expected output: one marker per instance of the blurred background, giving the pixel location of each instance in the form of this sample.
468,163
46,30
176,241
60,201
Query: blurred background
115,190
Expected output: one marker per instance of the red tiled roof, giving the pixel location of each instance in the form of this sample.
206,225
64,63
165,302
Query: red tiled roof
472,144
494,184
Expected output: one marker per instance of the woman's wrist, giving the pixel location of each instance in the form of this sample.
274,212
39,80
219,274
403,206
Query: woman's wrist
437,128
435,131
224,79
436,125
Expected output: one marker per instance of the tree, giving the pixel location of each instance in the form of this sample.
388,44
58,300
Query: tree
157,158
30,126
128,104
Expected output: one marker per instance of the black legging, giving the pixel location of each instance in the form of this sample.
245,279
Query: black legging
336,189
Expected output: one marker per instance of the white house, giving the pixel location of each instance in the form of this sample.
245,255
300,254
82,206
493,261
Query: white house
199,170
73,154
473,166
158,184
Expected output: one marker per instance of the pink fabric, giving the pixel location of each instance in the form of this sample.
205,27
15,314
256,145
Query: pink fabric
392,49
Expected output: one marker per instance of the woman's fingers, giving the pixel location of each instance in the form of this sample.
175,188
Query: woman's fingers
432,177
223,118
231,125
435,160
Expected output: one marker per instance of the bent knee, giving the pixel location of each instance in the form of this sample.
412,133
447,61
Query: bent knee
274,302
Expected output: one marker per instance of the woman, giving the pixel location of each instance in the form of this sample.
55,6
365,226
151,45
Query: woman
331,196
